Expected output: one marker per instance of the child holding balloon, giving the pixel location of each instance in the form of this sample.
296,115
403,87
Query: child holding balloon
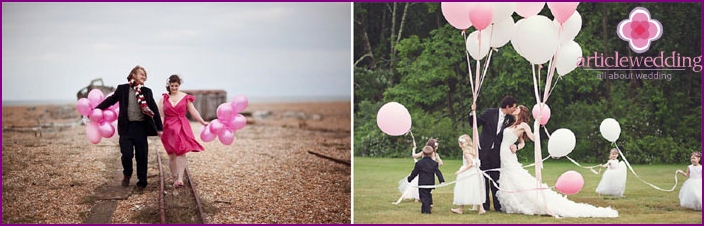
691,192
613,182
409,192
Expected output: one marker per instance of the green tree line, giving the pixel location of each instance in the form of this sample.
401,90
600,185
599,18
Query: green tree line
408,53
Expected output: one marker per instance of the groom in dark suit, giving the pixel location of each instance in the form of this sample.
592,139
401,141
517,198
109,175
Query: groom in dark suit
493,121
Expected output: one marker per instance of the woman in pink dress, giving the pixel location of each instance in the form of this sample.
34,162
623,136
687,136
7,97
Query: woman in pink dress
178,138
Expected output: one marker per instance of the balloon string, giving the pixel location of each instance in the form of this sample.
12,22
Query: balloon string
589,167
486,66
413,151
634,172
469,68
546,131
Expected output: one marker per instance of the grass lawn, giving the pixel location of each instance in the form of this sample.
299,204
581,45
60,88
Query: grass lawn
376,180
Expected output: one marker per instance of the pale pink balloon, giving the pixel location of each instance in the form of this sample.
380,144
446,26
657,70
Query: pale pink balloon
109,115
569,183
528,9
216,126
95,96
239,103
481,15
225,112
83,106
562,10
457,14
239,122
393,119
545,116
106,130
206,135
96,115
227,137
93,133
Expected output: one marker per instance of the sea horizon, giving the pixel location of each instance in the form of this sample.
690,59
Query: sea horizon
290,99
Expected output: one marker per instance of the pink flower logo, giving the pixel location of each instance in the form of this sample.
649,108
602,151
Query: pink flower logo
639,30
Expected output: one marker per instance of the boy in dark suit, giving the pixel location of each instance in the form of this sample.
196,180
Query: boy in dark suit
426,169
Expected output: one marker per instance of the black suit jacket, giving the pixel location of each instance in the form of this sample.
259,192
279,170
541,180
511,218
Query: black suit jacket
426,169
121,94
488,120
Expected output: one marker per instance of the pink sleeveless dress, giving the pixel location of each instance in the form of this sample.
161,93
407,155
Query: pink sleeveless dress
178,136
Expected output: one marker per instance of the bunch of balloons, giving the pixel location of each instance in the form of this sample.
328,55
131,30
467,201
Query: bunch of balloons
228,122
101,121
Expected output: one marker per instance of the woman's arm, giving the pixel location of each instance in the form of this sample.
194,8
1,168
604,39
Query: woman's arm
195,114
160,105
528,132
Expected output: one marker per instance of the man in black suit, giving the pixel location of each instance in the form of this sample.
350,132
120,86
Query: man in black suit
136,120
426,169
493,121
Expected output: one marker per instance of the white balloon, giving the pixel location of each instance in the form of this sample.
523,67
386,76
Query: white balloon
536,38
561,142
473,47
570,28
610,129
568,57
501,32
502,10
513,42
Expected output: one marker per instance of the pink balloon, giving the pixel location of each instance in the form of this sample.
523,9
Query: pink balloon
224,112
93,133
206,135
239,103
109,115
96,115
569,183
95,96
528,9
545,116
227,137
105,129
216,126
457,14
239,122
562,10
481,15
393,119
83,106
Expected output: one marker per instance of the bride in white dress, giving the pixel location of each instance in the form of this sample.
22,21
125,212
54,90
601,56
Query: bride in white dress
518,192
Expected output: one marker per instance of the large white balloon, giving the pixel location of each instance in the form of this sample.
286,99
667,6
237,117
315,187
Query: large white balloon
502,10
568,56
478,52
610,129
536,38
570,28
501,32
561,142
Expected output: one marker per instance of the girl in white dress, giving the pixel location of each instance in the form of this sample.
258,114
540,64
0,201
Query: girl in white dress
411,192
469,188
613,182
519,191
691,191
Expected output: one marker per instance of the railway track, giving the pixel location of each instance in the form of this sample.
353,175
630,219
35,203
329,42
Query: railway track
178,205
